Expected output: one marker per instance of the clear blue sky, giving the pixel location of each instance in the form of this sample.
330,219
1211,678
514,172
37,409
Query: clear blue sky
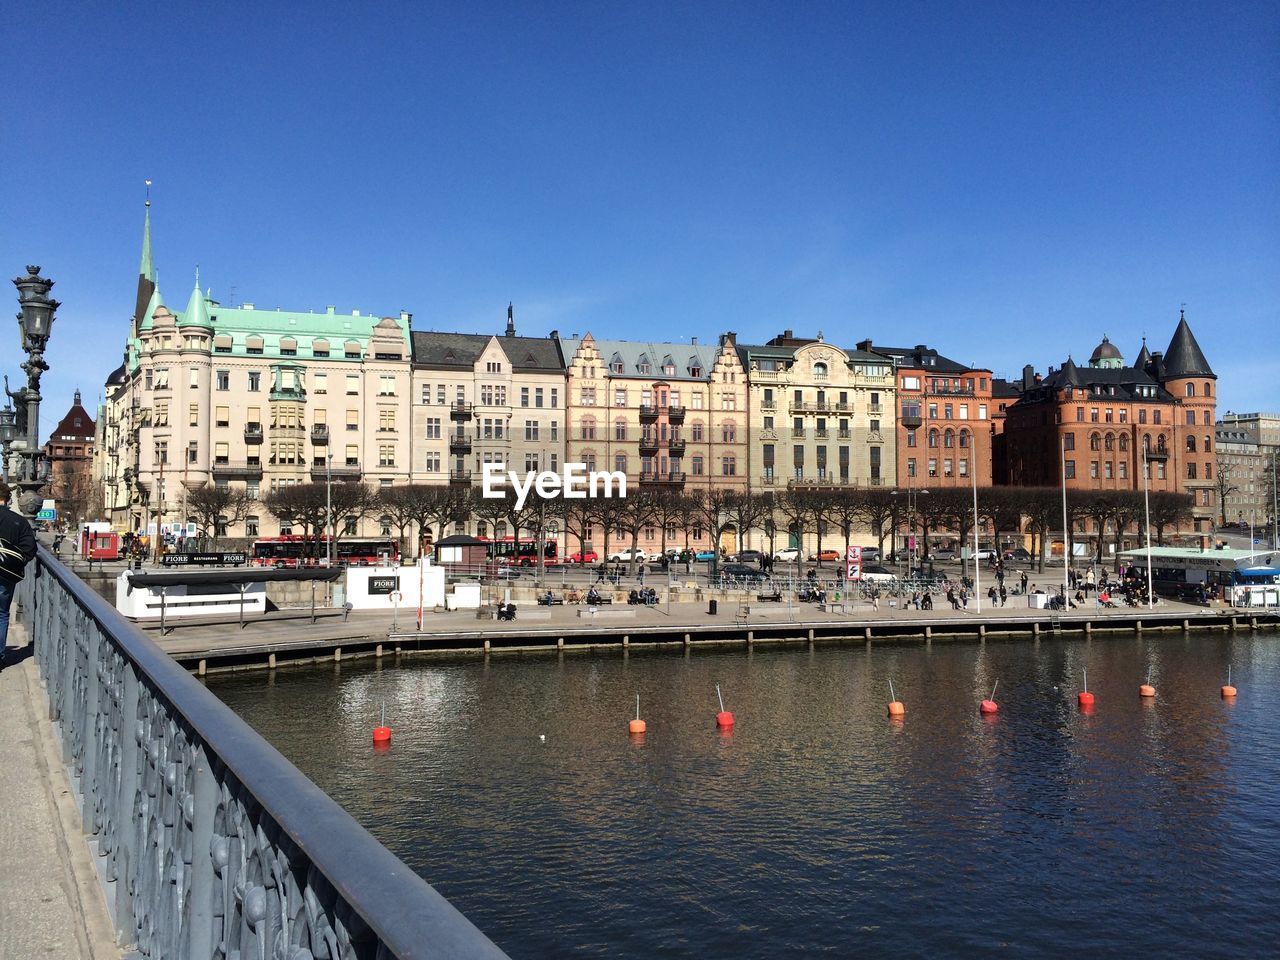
1004,181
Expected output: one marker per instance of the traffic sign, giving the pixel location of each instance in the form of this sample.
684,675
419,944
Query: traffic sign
1257,543
47,515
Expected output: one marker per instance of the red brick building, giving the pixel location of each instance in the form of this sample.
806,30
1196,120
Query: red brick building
1099,418
946,418
69,451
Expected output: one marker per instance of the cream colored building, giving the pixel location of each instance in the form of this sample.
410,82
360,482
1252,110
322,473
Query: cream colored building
250,398
478,399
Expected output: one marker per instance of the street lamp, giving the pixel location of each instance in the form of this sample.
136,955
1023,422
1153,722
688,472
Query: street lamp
35,323
8,430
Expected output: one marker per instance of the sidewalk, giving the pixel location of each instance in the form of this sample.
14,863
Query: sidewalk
51,904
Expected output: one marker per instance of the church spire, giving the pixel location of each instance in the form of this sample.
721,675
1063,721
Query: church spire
146,270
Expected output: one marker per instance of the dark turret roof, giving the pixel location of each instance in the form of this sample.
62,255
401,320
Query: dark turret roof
1106,350
1143,357
1184,357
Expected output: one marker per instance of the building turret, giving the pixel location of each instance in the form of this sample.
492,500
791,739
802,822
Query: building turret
197,312
1106,356
1143,358
1184,357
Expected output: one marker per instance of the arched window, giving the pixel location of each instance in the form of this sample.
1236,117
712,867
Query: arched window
1160,443
933,437
1109,442
1208,389
1095,442
1124,442
1191,443
964,438
820,371
1146,442
1191,389
949,439
1207,448
499,530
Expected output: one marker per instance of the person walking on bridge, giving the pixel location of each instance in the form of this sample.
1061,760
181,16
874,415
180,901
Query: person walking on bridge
17,548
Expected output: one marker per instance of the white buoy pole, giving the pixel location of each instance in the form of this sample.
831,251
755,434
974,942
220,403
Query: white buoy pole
720,698
892,695
637,706
993,690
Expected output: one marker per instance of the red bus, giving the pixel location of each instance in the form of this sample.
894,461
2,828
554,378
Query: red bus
522,552
295,551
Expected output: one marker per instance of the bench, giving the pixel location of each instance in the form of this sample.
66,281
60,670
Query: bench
775,597
552,602
598,603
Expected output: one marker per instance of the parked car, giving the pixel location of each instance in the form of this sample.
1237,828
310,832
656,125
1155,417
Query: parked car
703,556
589,556
985,553
749,556
787,555
1019,554
741,571
624,556
824,555
878,573
871,554
942,554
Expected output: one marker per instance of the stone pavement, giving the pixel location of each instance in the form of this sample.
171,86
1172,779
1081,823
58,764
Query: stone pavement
51,904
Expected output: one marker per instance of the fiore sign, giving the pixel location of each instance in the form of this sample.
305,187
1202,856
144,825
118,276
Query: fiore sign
203,559
383,586
853,564
575,482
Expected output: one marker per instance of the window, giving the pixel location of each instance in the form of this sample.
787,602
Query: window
1079,414
221,416
387,386
537,396
911,467
322,385
493,366
251,526
620,430
193,417
554,394
695,431
351,350
349,526
531,429
1191,389
620,462
695,400
619,397
433,463
1191,471
964,439
1191,443
162,414
222,380
353,419
386,455
587,397
320,348
386,420
1070,469
433,428
911,438
1124,470
933,438
353,384
588,428
1093,469
1095,442
353,455
555,432
193,452
253,344
1069,441
288,347
964,467
1142,416
933,467
1155,416
948,439
255,381
193,377
728,466
728,434
910,383
524,396
964,411
696,466
222,343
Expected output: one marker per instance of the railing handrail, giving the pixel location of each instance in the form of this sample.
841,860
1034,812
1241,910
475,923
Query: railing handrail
409,915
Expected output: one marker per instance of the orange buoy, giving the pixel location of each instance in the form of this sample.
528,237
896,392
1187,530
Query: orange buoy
896,709
1085,698
989,705
1228,691
1146,690
382,733
724,719
636,725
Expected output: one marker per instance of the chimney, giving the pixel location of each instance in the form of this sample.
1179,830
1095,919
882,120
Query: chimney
788,334
1028,376
554,335
864,345
694,341
511,320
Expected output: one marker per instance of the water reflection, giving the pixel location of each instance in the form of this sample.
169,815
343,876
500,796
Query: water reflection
817,823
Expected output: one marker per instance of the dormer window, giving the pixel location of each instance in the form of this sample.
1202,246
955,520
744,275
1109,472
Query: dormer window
820,371
668,366
643,365
616,365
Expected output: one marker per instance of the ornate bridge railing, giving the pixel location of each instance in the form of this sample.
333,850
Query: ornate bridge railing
211,843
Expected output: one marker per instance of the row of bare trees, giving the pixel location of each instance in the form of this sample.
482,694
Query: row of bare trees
610,524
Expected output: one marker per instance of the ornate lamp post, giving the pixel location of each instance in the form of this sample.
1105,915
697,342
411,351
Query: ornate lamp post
35,322
8,431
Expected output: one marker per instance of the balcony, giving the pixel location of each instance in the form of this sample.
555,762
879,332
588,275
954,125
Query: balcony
348,471
675,414
662,478
253,433
289,430
238,470
875,409
648,444
648,412
460,477
296,394
820,483
320,434
460,411
797,432
768,404
910,418
844,407
768,480
949,392
459,443
676,447
822,433
844,435
1159,453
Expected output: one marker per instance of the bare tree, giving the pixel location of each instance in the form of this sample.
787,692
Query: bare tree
746,511
1226,487
1169,510
213,509
638,510
877,508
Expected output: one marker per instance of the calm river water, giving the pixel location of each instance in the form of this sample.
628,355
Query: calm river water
818,826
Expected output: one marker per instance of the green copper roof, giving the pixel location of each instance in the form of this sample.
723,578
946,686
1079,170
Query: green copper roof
197,312
153,305
147,268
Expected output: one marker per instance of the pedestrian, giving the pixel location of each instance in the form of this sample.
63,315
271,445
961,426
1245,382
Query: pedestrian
1004,596
1023,581
17,548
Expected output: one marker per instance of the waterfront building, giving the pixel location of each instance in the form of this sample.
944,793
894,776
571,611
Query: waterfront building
70,454
1248,445
945,422
821,417
671,416
252,399
1093,423
480,398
